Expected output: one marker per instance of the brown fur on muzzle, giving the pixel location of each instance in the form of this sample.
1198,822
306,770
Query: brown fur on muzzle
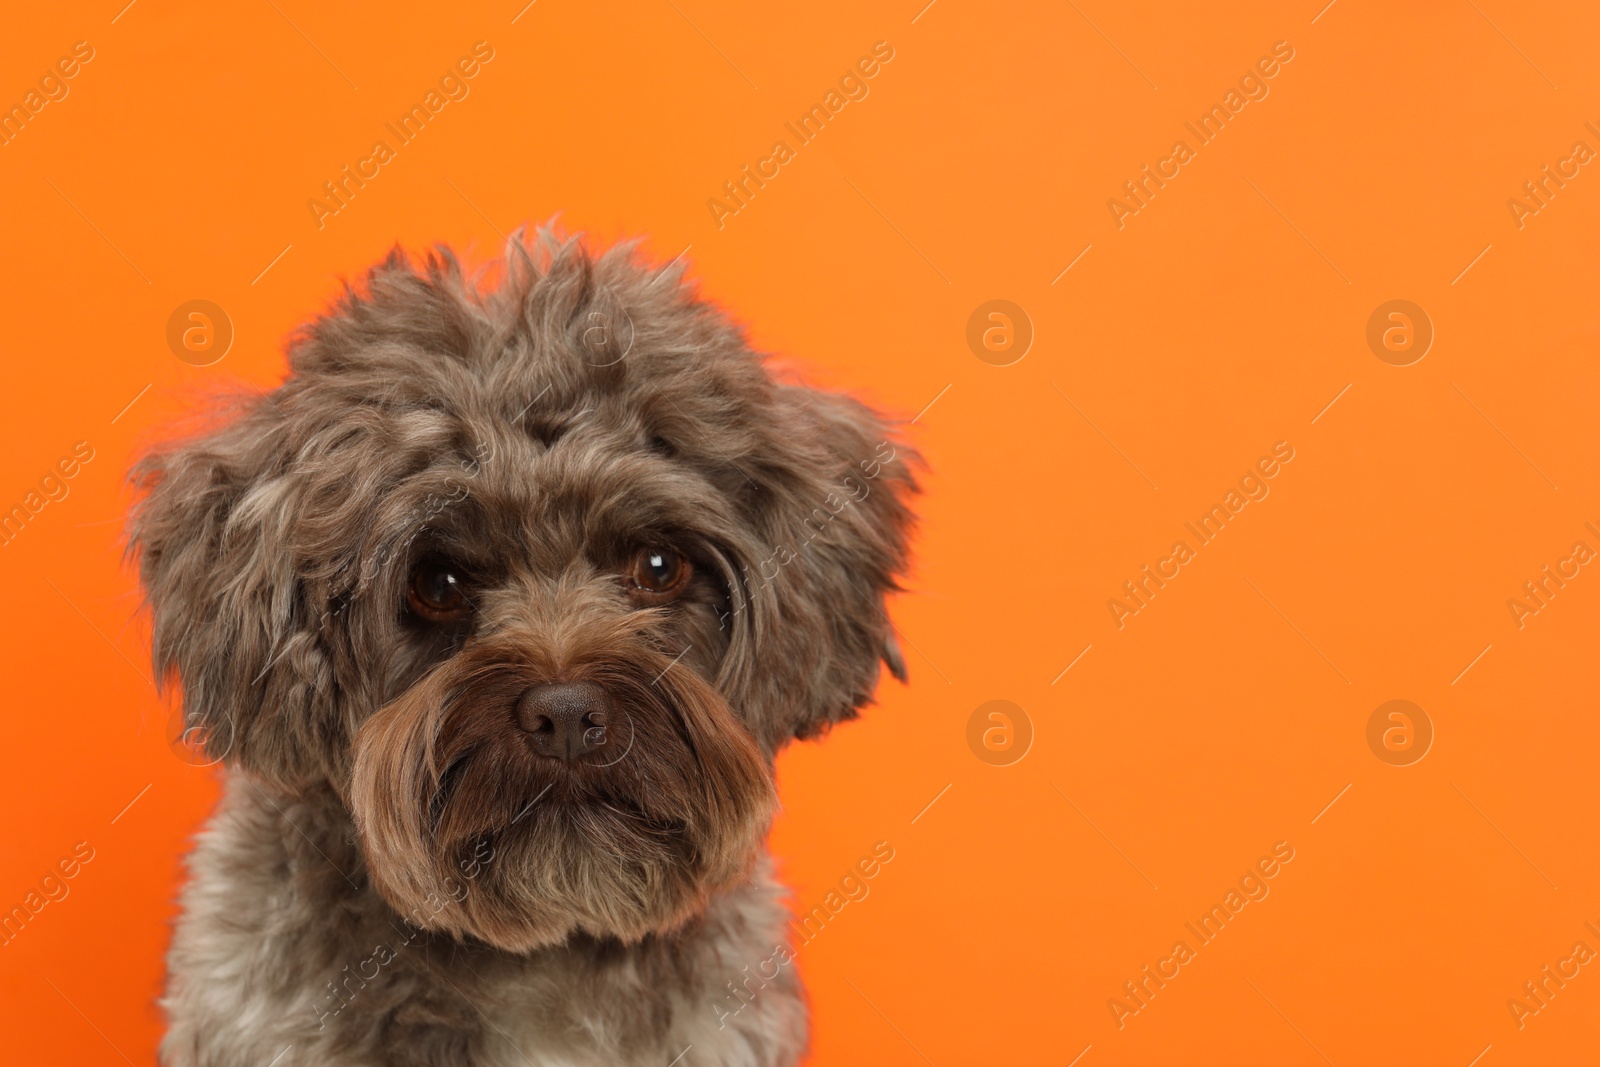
627,841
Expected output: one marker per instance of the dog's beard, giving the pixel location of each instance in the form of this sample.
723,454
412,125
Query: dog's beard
468,830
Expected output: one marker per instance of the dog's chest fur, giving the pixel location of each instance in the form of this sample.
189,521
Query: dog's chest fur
285,955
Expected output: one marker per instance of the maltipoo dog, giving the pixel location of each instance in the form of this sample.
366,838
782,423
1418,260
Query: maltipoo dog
496,613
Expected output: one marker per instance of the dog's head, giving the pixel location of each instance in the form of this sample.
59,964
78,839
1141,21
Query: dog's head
539,575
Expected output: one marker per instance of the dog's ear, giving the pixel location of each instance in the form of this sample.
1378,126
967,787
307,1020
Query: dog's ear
831,521
212,530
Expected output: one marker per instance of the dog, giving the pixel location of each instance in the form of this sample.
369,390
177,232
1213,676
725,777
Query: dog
496,614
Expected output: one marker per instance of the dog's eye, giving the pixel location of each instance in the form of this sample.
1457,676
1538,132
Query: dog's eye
657,573
436,591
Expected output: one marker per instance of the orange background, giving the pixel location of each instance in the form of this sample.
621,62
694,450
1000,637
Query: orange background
1223,317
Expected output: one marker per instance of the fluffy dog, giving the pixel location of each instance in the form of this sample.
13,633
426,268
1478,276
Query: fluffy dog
497,612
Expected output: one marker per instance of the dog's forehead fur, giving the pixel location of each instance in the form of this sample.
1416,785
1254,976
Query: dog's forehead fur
576,337
591,396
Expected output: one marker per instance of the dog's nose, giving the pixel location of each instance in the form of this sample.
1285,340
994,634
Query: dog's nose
565,719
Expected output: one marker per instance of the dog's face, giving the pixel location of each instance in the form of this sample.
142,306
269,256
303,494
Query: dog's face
539,577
